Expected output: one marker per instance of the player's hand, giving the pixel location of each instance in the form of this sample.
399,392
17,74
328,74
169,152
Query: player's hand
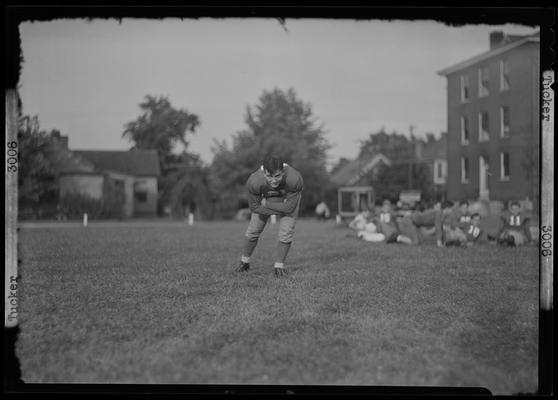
279,272
439,243
264,202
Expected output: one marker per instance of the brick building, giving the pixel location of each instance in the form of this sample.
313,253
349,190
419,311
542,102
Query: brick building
493,122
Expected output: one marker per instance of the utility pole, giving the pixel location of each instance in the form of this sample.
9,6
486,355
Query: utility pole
412,155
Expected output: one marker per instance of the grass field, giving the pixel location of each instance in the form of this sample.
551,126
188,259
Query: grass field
160,303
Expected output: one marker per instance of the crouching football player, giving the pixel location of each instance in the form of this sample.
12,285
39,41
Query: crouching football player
274,189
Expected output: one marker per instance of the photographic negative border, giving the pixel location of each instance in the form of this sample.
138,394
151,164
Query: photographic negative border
456,16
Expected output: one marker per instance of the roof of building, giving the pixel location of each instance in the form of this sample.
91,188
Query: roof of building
516,42
352,171
133,162
65,161
434,150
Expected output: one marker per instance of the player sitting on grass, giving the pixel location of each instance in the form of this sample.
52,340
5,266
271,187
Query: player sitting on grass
386,221
514,227
410,225
274,189
468,234
462,213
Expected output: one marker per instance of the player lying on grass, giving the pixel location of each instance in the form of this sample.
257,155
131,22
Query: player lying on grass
514,229
467,234
410,225
364,227
274,189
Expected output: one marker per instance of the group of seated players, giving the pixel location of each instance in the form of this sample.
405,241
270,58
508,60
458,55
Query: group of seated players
452,225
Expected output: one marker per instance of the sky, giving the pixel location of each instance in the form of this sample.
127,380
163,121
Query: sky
87,78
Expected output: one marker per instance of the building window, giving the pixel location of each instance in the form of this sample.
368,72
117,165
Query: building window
464,130
464,170
464,88
140,196
504,166
504,75
504,121
483,82
440,172
483,126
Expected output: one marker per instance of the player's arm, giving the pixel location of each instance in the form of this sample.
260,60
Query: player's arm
291,200
354,222
526,228
501,225
254,202
288,205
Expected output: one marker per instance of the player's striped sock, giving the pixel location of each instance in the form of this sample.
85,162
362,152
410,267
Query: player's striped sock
278,265
245,259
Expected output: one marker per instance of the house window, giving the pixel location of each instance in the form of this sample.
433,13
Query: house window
504,75
504,121
504,166
464,88
483,126
140,196
464,170
483,82
464,130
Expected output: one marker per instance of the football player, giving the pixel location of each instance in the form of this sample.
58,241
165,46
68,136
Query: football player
468,234
462,214
514,227
410,225
386,221
274,189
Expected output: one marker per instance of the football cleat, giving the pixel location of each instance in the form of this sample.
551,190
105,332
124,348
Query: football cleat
243,267
392,238
280,272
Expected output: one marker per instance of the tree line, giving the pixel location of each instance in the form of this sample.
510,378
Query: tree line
278,123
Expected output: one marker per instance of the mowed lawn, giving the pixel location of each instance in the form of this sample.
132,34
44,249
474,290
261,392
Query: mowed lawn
160,303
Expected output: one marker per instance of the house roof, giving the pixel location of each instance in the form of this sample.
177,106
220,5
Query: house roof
434,150
351,172
133,162
65,161
488,54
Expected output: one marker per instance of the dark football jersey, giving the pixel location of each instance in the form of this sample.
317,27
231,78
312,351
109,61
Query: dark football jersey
472,232
281,200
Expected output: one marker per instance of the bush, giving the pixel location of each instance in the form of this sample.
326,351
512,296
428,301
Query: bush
73,205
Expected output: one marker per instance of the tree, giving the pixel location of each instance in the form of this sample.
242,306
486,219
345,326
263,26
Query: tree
397,147
37,183
162,127
280,124
400,150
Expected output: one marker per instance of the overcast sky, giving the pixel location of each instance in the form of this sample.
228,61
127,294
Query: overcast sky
87,78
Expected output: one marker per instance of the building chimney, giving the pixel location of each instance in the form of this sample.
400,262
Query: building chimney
496,39
61,140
